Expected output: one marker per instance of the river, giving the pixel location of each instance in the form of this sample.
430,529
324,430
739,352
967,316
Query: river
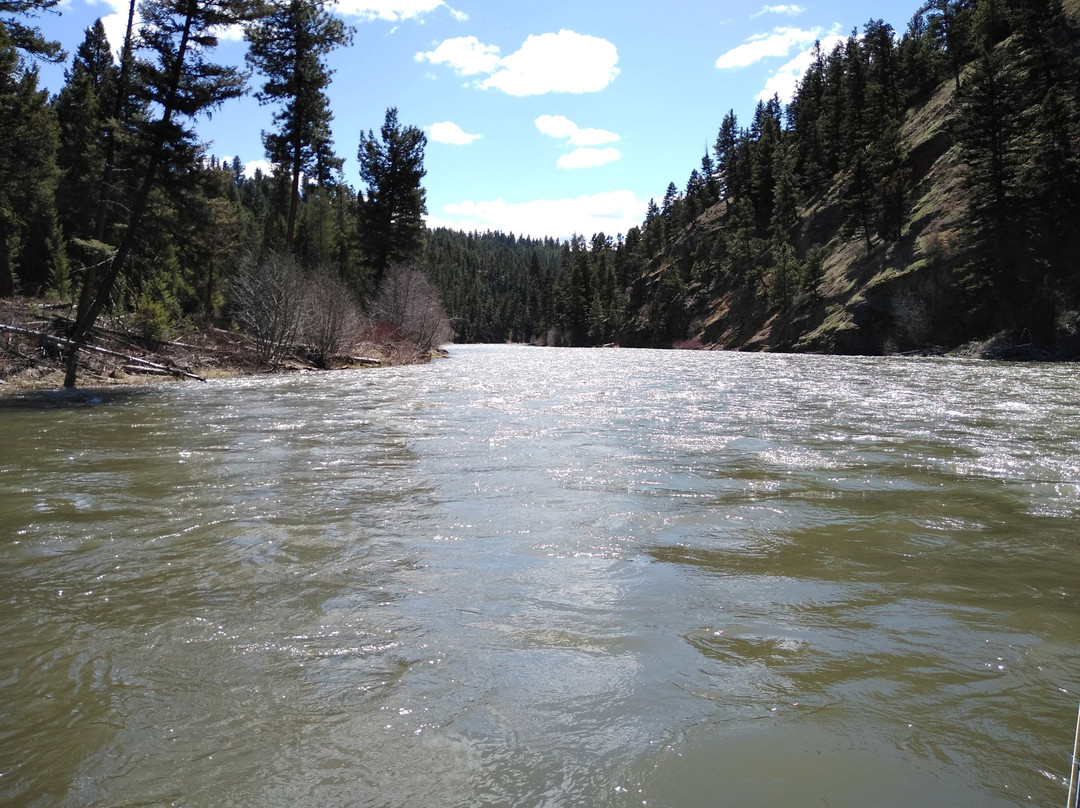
544,577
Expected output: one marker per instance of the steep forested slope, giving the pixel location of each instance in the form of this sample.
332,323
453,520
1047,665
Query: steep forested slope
920,192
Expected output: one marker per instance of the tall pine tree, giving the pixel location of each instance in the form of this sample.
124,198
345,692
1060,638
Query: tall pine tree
289,46
391,215
83,107
29,234
180,82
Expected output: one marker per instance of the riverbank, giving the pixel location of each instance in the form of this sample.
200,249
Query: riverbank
33,353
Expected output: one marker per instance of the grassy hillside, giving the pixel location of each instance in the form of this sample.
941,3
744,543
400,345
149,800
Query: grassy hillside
917,292
885,298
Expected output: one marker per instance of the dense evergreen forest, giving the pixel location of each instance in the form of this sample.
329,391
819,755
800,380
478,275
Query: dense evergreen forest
921,191
108,200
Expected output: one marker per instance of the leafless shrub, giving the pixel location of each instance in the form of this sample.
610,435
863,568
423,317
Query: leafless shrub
911,312
268,297
332,319
922,312
408,302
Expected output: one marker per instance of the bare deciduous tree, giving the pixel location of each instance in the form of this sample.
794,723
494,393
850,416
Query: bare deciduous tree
269,302
333,317
409,303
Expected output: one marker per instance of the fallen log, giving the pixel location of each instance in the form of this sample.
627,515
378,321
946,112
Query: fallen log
143,369
66,322
66,343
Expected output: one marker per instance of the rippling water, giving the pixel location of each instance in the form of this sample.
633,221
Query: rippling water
541,577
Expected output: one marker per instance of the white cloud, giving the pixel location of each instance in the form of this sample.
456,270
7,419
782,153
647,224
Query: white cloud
249,167
448,132
116,22
561,126
395,10
587,158
611,212
791,11
466,54
116,27
780,42
265,166
784,81
229,33
566,62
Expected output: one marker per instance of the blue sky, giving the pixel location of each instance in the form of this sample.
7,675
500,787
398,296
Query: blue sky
543,118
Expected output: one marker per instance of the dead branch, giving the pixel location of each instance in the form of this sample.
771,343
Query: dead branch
66,343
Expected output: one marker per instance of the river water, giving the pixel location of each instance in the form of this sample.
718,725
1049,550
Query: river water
544,577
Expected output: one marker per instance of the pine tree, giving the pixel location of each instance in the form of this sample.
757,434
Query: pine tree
804,114
182,82
391,216
671,213
26,37
726,142
83,107
122,157
882,91
696,195
858,197
988,138
740,236
892,176
765,134
785,202
213,234
917,62
783,277
710,178
29,233
857,128
832,121
652,229
948,24
289,46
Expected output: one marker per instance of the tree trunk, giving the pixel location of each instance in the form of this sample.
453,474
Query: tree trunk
85,321
294,200
7,276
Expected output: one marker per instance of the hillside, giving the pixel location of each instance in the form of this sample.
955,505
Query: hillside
884,296
876,297
919,194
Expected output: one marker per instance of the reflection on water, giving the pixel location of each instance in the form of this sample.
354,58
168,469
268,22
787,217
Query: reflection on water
547,578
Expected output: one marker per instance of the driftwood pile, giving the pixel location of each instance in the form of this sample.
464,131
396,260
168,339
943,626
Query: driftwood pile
135,364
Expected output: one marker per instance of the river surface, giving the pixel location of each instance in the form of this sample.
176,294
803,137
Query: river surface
544,577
